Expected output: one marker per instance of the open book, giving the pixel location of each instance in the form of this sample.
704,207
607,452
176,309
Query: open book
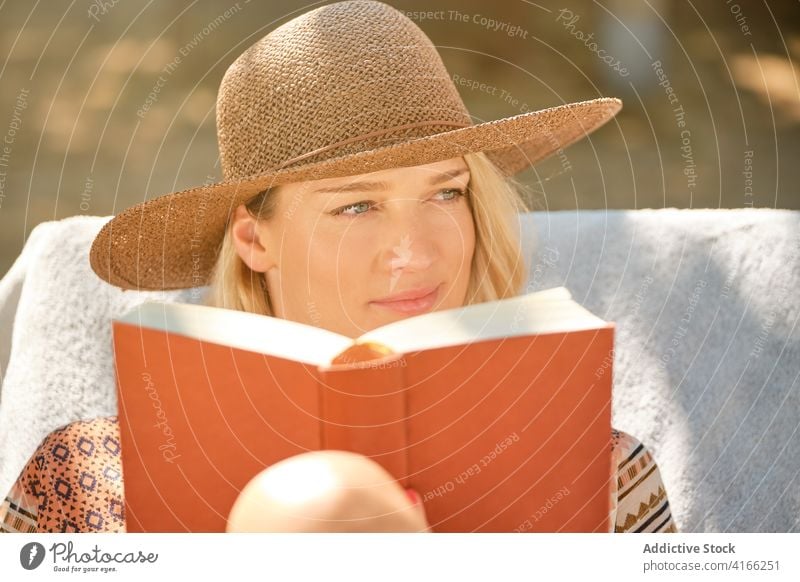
498,414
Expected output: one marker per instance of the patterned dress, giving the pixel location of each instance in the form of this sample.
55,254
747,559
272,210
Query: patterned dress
73,483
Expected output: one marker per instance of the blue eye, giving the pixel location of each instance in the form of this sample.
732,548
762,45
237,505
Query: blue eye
361,207
364,205
457,193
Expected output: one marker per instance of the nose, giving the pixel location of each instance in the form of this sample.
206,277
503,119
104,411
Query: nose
409,245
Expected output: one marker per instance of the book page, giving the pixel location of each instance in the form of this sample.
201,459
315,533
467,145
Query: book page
548,311
248,331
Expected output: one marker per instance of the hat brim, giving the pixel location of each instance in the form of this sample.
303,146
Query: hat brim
171,242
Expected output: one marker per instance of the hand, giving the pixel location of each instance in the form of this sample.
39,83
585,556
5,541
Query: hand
416,502
327,491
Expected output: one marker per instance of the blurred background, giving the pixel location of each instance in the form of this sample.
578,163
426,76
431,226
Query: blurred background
104,104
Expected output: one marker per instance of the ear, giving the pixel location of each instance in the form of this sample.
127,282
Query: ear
250,241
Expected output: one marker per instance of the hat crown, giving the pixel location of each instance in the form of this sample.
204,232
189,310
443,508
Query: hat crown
344,78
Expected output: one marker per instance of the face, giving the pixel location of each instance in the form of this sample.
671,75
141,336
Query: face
351,254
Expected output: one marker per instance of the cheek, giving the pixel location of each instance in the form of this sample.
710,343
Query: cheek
462,249
469,235
335,259
458,236
300,257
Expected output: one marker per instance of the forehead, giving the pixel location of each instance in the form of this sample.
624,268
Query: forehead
438,171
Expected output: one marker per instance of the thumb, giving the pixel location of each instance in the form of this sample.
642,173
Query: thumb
416,501
413,496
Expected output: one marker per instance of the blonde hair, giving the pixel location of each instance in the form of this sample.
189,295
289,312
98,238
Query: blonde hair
498,268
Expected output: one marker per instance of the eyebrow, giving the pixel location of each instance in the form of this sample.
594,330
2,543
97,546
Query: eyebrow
369,186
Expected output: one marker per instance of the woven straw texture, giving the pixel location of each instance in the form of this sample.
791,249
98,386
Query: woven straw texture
349,88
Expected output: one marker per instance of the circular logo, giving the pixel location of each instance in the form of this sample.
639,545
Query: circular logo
31,555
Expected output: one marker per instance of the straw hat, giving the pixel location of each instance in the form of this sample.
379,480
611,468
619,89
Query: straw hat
345,89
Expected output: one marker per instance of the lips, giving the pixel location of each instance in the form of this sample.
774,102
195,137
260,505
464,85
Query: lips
410,294
410,302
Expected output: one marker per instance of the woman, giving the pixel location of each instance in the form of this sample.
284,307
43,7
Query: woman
356,192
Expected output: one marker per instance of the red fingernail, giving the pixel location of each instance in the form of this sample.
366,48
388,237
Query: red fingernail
413,496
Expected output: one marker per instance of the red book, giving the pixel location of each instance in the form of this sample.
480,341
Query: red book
498,414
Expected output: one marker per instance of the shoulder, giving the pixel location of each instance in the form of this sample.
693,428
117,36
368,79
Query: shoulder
82,437
641,497
626,448
73,481
79,443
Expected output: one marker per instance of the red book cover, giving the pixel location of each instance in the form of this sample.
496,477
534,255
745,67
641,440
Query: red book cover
498,414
